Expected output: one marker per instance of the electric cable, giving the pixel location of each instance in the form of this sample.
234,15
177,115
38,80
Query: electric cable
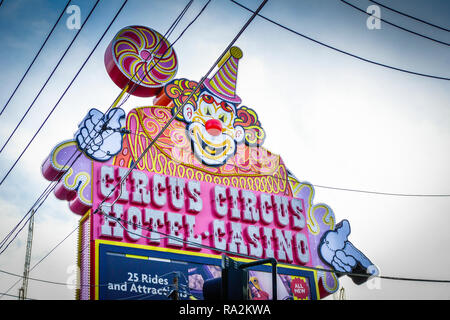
168,32
33,212
342,51
49,77
59,282
188,99
167,49
63,94
48,281
224,252
43,196
395,25
404,278
35,57
318,185
184,103
34,279
11,295
60,100
50,252
375,192
2,243
172,27
62,174
166,35
379,192
409,16
41,199
37,263
251,257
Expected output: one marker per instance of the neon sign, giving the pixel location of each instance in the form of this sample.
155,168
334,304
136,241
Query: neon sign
205,187
196,214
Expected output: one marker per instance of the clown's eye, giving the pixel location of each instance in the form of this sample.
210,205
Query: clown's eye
207,112
208,98
222,118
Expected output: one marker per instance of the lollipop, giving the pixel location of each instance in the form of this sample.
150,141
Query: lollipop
142,55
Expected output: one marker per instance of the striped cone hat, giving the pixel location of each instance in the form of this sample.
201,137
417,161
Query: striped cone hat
223,83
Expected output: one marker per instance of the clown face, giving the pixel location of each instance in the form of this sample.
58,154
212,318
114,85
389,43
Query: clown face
211,129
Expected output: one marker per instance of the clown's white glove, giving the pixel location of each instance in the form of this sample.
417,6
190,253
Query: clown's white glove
100,136
338,252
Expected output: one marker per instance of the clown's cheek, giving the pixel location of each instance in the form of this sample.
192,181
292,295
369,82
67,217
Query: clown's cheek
239,134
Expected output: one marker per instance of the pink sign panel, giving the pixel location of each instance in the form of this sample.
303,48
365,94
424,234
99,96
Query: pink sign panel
192,215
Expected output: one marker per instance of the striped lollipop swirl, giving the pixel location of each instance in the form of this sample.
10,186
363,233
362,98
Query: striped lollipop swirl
142,55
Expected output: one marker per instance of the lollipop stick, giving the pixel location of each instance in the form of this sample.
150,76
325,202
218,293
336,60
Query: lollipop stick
120,97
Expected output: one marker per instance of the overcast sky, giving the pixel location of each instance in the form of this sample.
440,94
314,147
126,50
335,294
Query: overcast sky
335,120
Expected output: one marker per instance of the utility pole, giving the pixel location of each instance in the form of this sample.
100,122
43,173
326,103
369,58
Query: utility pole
26,269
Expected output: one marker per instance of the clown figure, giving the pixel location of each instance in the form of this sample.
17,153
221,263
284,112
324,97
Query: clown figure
214,121
212,130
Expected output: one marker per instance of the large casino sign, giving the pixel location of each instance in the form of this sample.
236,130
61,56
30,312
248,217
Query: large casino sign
206,187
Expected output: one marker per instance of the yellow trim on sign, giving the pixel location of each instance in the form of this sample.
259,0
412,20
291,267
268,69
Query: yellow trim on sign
134,256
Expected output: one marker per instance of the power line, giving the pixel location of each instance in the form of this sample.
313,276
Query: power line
184,103
403,278
49,77
44,195
42,198
35,57
65,91
42,259
170,30
168,48
61,283
219,250
48,189
379,192
133,88
395,25
251,257
322,186
173,26
204,247
34,279
342,51
409,16
210,248
33,212
165,127
61,175
10,295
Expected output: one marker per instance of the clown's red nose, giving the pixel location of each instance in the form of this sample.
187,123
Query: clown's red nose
214,127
